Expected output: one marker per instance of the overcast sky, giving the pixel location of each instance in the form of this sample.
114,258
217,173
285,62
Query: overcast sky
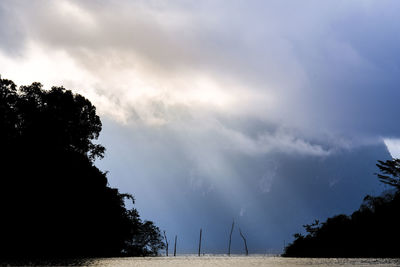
272,113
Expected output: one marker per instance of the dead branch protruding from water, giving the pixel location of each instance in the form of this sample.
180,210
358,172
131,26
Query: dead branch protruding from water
245,242
230,238
200,242
175,245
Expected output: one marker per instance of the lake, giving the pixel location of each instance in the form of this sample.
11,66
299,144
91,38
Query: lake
238,261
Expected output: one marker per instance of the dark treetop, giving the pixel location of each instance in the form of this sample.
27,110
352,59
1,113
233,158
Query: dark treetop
53,201
371,231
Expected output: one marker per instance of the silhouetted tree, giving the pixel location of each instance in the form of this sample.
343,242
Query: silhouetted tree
390,170
54,202
371,231
166,244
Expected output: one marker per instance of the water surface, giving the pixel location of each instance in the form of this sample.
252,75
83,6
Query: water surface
238,261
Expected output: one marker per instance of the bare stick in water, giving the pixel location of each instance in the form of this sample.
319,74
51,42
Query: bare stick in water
166,244
230,238
175,246
200,242
245,243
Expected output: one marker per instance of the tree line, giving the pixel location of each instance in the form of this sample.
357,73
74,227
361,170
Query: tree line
54,202
371,231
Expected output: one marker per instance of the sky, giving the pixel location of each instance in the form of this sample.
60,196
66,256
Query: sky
269,113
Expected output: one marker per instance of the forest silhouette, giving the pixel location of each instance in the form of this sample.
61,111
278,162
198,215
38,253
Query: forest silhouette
54,202
371,231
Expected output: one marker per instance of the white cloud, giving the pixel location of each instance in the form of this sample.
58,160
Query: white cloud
393,145
194,68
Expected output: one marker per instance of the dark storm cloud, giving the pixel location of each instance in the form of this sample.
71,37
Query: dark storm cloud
270,196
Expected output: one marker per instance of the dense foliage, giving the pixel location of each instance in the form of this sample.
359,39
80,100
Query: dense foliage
54,202
371,231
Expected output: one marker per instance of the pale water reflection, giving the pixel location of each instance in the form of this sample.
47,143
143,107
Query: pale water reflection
238,261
